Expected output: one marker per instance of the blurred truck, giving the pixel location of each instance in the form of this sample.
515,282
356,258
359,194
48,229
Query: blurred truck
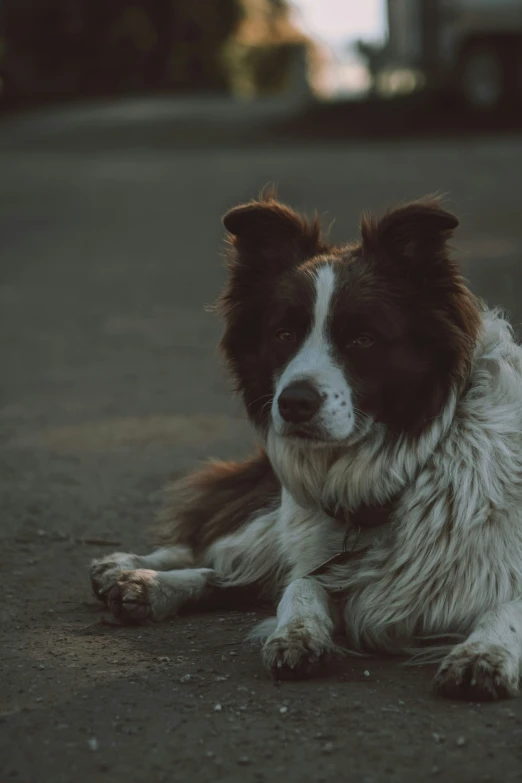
468,49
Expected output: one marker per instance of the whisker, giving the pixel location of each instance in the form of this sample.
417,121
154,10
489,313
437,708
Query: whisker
263,396
362,416
263,408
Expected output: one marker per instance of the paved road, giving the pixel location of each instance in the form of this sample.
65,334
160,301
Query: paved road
110,384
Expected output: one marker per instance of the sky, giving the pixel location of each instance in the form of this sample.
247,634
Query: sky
337,21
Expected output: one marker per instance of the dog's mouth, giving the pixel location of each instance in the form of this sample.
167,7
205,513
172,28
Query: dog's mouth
313,435
308,434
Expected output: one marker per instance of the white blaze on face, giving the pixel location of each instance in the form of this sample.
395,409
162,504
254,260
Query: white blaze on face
315,363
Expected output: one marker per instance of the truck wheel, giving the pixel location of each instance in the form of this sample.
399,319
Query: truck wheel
483,78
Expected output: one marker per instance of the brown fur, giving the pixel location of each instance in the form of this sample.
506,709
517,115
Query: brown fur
398,281
267,239
216,501
407,249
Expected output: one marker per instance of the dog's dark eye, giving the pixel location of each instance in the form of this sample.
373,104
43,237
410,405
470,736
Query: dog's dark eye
284,335
361,341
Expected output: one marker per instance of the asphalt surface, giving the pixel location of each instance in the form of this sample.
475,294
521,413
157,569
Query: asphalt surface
110,384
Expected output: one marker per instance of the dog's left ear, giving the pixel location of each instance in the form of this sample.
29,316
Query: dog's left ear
268,233
412,236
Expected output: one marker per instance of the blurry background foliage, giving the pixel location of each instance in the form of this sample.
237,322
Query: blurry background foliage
56,50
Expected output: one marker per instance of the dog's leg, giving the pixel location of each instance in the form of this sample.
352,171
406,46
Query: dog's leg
303,635
144,594
203,513
488,665
106,571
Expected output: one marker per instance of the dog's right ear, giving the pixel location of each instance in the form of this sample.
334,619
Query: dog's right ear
268,233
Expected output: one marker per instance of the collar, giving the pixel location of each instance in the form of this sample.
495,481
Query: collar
364,516
361,519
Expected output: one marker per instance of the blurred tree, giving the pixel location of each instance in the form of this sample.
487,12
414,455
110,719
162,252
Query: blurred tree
63,49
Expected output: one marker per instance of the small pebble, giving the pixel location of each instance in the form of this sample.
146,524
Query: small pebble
243,760
437,737
366,673
461,742
92,743
185,678
327,747
218,708
282,710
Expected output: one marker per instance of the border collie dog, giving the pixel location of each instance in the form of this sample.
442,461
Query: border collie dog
386,501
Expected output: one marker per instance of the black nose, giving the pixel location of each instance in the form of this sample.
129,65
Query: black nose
299,402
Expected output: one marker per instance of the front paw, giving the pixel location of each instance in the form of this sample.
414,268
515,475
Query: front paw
477,671
296,652
105,571
136,597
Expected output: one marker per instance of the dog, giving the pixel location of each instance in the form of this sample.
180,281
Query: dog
385,502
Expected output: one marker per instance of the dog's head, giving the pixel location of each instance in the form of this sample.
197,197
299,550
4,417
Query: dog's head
324,341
